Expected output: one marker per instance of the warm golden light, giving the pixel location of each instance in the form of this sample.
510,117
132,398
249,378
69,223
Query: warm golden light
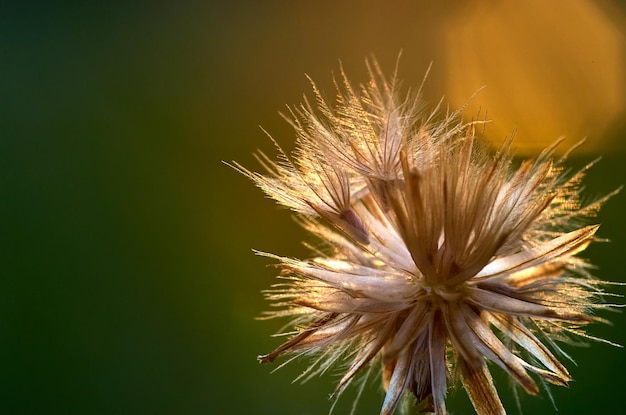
551,69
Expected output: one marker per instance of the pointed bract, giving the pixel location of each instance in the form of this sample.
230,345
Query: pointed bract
439,258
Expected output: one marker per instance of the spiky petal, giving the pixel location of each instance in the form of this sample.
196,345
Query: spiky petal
440,257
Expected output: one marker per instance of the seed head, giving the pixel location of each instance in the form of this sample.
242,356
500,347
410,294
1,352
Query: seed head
438,257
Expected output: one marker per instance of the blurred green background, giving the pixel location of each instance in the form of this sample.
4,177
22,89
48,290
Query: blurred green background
128,284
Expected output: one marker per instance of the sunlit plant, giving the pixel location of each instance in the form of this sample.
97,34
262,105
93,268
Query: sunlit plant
438,256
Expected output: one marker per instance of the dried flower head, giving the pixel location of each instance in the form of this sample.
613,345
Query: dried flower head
439,258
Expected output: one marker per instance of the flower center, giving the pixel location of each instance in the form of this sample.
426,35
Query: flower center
444,293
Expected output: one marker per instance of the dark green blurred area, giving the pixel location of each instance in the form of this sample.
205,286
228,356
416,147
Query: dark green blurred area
127,282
